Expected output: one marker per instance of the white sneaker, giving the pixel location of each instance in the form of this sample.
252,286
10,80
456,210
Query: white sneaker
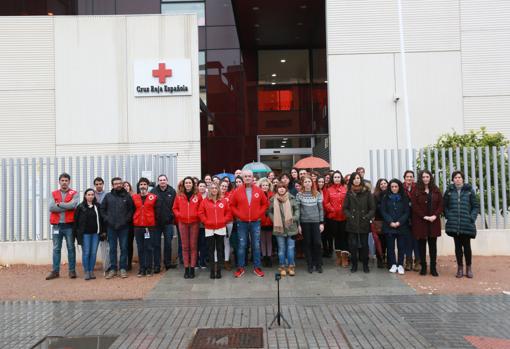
393,268
401,270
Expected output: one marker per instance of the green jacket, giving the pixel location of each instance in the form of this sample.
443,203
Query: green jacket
360,210
460,211
293,229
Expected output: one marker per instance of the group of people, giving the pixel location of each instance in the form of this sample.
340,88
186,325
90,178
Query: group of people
251,219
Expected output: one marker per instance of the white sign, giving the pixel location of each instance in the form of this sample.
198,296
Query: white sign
165,77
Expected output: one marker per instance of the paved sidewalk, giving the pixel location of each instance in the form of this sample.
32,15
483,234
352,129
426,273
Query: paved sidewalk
332,310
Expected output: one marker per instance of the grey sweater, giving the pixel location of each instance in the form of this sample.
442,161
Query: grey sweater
310,207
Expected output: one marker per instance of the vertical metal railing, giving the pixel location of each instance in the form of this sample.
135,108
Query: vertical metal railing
26,185
487,169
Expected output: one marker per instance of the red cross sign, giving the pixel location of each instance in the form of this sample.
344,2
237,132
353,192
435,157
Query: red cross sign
162,73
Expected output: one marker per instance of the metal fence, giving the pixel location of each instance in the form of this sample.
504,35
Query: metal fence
26,183
487,169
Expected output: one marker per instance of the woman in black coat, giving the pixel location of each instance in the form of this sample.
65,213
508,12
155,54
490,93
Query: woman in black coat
359,209
87,227
395,211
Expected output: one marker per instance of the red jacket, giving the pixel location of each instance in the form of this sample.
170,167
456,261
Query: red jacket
69,214
145,212
215,215
334,197
187,211
248,212
265,221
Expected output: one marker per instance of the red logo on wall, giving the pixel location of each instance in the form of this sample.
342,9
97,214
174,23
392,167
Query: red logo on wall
162,73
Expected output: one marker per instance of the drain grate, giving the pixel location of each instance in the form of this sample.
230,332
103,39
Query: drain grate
222,338
84,342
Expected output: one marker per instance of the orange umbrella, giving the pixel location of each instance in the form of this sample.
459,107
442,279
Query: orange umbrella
312,162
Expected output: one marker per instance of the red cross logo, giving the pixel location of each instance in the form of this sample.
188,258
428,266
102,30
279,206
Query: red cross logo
162,73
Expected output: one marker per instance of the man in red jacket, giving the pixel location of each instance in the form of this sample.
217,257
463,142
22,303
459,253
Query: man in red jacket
248,203
144,222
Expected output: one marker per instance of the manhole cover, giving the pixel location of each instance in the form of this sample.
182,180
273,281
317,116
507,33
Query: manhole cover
215,338
96,342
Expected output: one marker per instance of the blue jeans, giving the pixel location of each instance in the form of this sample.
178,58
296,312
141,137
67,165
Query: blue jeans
64,231
412,246
390,246
168,233
202,248
253,229
120,235
286,247
88,258
145,248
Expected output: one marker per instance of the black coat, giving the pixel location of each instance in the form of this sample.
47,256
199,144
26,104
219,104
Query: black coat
359,208
117,209
395,211
165,205
81,215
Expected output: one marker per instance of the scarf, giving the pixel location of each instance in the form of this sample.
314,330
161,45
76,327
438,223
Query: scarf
394,197
281,204
357,188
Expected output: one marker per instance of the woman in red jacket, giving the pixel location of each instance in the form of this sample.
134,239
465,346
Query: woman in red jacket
427,205
266,226
225,192
335,219
186,211
214,212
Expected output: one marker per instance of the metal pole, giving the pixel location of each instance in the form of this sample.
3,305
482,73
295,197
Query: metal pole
404,86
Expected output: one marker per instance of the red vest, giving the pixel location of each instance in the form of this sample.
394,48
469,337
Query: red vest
145,213
68,214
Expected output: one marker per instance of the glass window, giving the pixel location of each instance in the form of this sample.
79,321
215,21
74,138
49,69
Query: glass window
277,67
222,37
202,72
220,12
185,8
277,100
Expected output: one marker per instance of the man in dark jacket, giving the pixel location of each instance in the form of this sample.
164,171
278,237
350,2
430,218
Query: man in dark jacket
166,225
117,210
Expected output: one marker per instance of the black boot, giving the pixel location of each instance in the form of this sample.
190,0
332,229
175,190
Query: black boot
192,273
218,271
213,273
365,267
354,267
380,263
433,270
423,270
186,273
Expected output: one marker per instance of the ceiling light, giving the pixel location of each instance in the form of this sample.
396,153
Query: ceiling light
284,141
325,81
255,8
303,6
256,25
257,39
50,13
285,138
273,75
283,60
273,83
299,23
282,146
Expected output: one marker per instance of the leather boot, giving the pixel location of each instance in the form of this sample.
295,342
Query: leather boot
469,272
218,271
433,270
417,265
423,270
213,273
228,266
408,264
460,272
354,267
380,263
186,273
282,270
365,267
192,273
345,259
339,258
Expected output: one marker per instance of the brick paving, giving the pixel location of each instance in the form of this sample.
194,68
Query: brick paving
331,310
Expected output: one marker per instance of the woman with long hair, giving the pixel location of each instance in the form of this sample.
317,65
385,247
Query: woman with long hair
284,213
87,226
334,197
214,212
202,188
311,213
379,240
359,209
225,192
461,209
266,226
131,233
186,211
396,211
427,206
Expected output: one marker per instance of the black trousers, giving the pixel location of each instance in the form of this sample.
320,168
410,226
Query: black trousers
327,238
358,243
422,246
216,243
337,229
312,243
131,239
463,249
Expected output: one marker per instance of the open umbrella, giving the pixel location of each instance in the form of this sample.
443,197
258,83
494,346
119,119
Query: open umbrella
312,162
222,175
257,167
